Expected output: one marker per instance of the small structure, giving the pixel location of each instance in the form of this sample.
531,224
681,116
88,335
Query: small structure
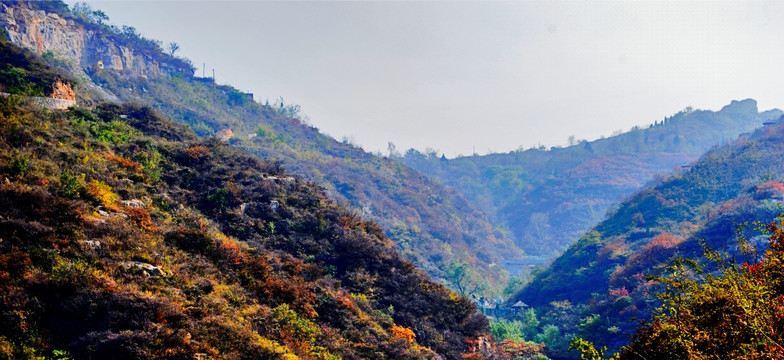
519,307
520,304
99,65
769,123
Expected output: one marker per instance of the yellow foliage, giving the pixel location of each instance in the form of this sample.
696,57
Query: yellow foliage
102,193
275,347
6,348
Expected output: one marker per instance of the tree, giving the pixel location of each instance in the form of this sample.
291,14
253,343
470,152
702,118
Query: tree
462,277
513,285
393,150
173,47
86,13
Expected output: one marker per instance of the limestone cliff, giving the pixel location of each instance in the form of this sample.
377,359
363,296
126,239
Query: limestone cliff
85,44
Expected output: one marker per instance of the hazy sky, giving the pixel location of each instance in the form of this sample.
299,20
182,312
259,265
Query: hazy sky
493,76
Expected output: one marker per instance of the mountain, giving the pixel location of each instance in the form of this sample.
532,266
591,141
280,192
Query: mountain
604,276
548,198
432,225
123,235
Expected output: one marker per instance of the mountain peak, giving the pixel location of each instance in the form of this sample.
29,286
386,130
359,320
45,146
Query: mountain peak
742,106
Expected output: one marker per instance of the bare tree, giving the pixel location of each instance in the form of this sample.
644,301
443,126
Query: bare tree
173,47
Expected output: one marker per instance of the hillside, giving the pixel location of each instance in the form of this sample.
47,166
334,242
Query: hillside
735,314
126,236
432,225
548,198
604,275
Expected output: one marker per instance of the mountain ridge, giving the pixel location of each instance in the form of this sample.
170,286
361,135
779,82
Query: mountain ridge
126,236
547,198
432,225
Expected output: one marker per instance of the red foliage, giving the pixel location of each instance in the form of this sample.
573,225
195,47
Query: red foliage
659,249
230,252
773,186
141,217
126,163
662,241
520,350
12,264
619,292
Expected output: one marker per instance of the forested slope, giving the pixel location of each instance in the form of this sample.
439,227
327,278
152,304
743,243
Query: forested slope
432,225
604,276
123,235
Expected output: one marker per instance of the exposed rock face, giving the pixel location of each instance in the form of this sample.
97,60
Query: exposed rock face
63,91
40,31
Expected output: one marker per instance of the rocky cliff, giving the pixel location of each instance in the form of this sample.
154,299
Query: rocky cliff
85,44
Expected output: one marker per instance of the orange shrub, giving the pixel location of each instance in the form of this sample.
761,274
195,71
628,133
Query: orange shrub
197,152
231,252
141,217
401,332
126,163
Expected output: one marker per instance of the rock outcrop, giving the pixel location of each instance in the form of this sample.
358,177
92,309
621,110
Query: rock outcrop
62,90
224,134
86,44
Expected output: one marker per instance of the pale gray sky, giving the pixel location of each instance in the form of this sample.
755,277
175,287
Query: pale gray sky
491,75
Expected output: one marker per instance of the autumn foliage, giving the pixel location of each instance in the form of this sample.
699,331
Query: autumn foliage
168,265
404,333
738,314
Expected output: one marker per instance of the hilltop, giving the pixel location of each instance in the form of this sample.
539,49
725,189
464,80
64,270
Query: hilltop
126,236
547,198
432,225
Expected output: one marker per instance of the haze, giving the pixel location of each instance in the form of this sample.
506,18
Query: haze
461,77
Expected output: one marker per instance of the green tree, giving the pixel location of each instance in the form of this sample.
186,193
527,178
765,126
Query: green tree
463,277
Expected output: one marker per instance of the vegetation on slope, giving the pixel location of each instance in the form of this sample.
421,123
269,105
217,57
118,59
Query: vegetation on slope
604,275
125,236
548,198
737,314
433,226
22,73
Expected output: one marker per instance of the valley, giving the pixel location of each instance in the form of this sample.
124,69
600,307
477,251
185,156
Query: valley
157,214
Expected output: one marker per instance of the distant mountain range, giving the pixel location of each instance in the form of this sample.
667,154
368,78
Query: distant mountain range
546,198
